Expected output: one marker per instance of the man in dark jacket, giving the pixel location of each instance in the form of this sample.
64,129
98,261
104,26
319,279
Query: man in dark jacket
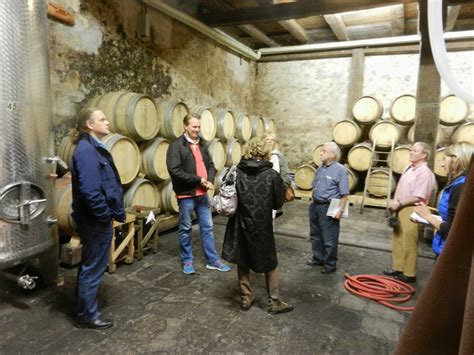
192,170
97,201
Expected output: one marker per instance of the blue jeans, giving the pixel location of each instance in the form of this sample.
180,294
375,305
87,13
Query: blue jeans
200,205
324,235
95,240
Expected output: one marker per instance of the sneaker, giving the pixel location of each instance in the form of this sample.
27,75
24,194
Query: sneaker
278,306
247,304
188,268
218,265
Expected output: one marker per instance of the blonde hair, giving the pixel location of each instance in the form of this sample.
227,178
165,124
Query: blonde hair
257,148
81,128
462,153
273,136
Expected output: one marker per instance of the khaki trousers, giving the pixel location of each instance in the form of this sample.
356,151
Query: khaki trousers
405,244
271,281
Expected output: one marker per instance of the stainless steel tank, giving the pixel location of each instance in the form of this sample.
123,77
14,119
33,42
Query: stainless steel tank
27,164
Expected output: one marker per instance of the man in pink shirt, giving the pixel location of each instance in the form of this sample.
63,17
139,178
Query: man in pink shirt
415,185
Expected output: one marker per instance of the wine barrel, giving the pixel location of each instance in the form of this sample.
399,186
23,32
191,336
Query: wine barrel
125,154
452,110
233,152
403,109
400,159
153,159
142,192
367,110
360,155
167,197
217,150
63,198
438,163
346,133
439,135
378,182
243,128
66,150
384,132
353,178
464,133
316,154
208,122
304,176
225,125
171,114
269,125
131,114
258,126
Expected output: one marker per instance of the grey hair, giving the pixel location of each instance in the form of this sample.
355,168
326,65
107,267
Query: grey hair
426,149
334,149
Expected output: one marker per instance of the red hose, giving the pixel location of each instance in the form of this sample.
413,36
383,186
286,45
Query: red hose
381,289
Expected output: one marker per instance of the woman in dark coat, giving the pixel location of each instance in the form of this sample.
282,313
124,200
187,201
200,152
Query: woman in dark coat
249,241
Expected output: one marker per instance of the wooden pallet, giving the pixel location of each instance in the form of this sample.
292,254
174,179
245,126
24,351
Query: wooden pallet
356,200
116,251
304,195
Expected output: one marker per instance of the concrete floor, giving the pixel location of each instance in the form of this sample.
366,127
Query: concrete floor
158,309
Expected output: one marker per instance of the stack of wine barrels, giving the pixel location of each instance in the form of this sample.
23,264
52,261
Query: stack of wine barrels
356,136
143,128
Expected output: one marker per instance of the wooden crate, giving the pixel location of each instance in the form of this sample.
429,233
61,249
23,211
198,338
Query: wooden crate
116,251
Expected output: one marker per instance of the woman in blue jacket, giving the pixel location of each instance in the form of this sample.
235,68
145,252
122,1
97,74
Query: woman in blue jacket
97,200
456,162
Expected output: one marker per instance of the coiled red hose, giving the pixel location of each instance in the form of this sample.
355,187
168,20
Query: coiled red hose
381,289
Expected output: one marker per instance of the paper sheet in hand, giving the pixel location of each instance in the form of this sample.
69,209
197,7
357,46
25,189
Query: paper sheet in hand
150,218
334,207
415,217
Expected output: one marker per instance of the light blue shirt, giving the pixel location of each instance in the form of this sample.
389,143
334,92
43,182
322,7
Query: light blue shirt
331,181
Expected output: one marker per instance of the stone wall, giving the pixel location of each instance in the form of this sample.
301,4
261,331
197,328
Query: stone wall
306,98
102,53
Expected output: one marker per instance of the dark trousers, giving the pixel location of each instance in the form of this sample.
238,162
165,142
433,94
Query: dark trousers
324,235
95,239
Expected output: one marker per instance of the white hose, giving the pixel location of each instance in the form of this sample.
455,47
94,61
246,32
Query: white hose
438,48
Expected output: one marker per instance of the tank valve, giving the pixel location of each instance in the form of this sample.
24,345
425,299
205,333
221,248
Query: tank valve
27,282
51,220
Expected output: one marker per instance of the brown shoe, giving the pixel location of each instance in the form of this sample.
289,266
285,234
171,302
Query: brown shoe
278,306
245,306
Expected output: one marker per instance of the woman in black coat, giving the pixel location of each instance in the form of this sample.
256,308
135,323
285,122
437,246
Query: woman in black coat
249,241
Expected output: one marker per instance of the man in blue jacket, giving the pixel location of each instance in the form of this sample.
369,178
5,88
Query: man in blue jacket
97,200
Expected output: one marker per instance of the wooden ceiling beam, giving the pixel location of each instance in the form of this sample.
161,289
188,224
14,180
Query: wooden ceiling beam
258,35
296,30
397,23
337,26
294,10
453,13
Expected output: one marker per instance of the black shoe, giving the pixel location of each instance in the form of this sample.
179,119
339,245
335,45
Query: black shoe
406,279
391,272
327,270
94,324
311,262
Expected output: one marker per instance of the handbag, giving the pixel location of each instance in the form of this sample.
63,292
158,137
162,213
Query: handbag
225,202
289,194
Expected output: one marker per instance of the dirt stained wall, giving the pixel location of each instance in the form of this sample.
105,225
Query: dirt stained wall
103,52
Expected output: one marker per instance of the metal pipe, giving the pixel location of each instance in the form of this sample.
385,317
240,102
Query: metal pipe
374,42
217,35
